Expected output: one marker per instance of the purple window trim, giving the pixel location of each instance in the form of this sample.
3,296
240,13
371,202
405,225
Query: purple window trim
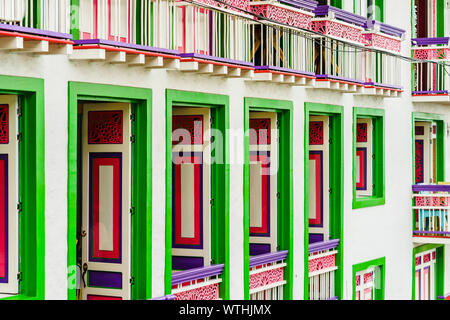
342,15
281,69
186,263
5,279
197,273
308,5
429,41
365,168
125,45
33,31
259,248
319,152
325,245
385,28
333,298
217,59
315,237
105,279
431,187
174,243
443,92
168,297
444,233
267,258
92,156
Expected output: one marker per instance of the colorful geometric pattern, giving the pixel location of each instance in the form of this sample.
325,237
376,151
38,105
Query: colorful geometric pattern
322,263
316,132
105,127
361,132
4,124
194,126
382,42
339,30
435,201
259,132
209,292
432,54
282,15
265,278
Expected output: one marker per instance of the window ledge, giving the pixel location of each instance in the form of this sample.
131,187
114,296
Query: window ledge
368,202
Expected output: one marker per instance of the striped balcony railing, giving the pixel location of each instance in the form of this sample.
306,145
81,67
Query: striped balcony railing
431,210
322,267
168,297
197,284
267,276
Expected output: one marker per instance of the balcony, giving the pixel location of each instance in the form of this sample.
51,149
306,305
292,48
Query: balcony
431,80
431,208
267,276
196,284
22,32
322,267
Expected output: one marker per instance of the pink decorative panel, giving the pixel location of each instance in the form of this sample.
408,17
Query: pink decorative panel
194,126
358,280
322,263
336,29
266,277
259,131
315,132
361,132
368,277
105,127
210,292
433,201
426,258
282,15
382,42
434,255
240,4
4,124
418,260
432,54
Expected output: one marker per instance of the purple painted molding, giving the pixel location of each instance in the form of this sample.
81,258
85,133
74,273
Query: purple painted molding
444,297
267,258
197,273
327,76
324,245
340,14
168,297
308,5
377,84
185,263
333,298
37,32
431,92
125,45
218,59
429,41
431,187
385,28
258,248
431,232
281,69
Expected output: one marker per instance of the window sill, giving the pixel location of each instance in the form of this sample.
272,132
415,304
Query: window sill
368,202
21,297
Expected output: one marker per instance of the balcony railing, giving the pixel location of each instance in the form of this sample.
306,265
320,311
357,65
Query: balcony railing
431,210
267,276
197,284
322,267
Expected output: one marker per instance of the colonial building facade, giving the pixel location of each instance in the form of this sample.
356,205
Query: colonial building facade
225,149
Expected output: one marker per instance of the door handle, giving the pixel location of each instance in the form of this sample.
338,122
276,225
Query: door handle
85,269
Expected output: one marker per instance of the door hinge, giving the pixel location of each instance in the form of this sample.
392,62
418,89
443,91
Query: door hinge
212,262
211,202
277,123
19,111
19,137
330,191
19,207
212,121
330,140
132,281
132,210
132,117
19,277
132,138
373,156
278,195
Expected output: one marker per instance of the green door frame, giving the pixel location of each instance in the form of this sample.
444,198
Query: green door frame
284,110
380,263
141,221
336,114
32,183
220,182
440,268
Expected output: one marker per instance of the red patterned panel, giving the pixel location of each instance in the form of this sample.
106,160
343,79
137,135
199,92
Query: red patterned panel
426,258
418,260
434,255
209,292
419,130
4,124
368,277
194,126
361,132
419,161
105,127
358,280
259,131
316,132
265,278
321,263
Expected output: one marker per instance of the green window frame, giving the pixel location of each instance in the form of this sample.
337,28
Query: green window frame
336,114
284,110
440,268
220,183
141,101
379,289
440,137
378,161
32,184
